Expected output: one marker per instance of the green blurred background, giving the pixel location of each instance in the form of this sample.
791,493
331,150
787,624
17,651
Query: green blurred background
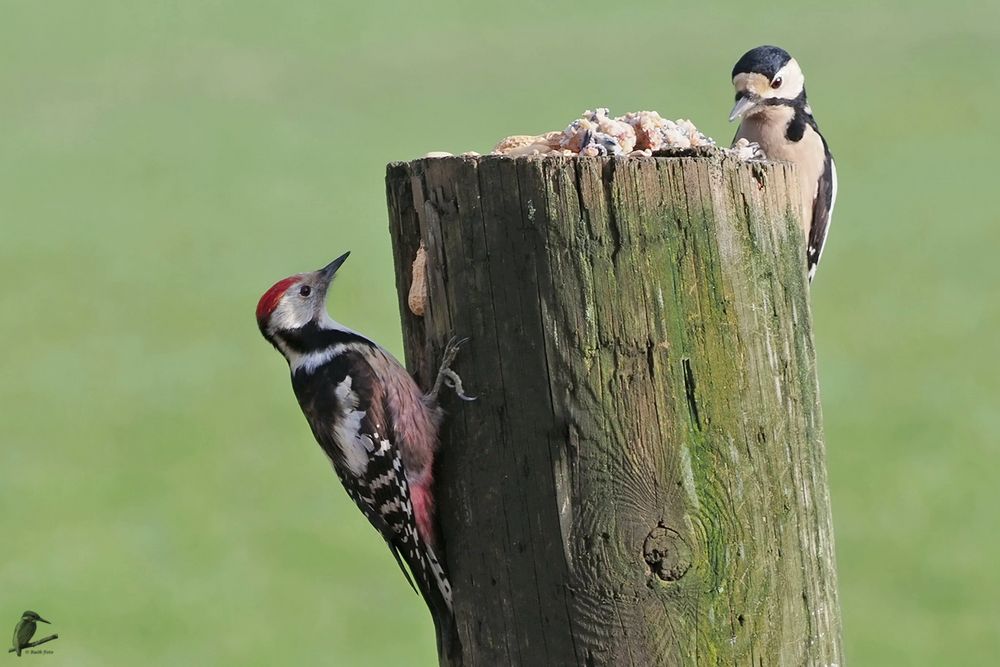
162,163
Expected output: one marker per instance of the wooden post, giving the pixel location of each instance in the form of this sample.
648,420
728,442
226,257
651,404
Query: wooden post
642,480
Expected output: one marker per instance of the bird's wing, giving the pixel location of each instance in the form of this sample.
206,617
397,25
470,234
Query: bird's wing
363,451
385,499
23,633
826,197
385,496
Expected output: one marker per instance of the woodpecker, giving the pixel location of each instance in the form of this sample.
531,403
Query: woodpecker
774,112
379,430
25,630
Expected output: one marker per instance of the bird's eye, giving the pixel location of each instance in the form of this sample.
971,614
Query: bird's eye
776,83
305,290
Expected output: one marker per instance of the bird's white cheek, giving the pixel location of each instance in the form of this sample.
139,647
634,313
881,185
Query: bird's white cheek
792,81
288,316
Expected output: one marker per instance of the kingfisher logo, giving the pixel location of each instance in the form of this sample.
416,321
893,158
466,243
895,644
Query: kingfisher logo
24,631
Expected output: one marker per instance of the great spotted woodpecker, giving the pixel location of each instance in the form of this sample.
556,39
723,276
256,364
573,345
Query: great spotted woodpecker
774,112
372,420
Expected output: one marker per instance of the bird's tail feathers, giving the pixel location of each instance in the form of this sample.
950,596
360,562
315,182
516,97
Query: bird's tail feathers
435,588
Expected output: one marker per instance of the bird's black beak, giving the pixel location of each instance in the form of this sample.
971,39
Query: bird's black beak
745,101
43,620
328,271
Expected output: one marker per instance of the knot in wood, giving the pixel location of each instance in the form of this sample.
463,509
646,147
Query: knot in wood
667,554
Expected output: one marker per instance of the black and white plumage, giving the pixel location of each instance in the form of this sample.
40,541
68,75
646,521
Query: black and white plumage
346,401
771,103
378,429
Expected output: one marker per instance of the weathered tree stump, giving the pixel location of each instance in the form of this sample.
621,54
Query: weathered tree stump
642,480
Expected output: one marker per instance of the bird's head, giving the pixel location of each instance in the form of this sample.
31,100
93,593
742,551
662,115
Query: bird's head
32,616
762,74
297,301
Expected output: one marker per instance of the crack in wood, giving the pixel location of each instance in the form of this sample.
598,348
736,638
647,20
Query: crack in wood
689,392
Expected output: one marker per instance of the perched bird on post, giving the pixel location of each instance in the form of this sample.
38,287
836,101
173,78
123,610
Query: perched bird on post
378,428
25,630
774,112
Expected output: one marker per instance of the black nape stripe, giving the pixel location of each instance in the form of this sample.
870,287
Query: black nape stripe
311,337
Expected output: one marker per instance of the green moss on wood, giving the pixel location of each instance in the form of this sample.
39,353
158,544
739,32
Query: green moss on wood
642,350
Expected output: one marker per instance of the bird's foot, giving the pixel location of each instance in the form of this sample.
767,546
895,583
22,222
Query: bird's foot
447,377
747,151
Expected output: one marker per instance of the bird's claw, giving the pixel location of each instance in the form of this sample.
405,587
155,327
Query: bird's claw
447,377
452,381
